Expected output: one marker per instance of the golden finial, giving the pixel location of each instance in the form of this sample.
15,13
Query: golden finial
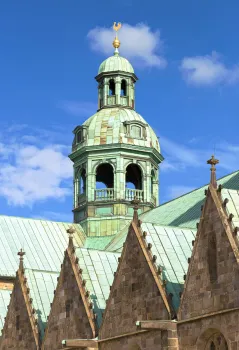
116,42
213,161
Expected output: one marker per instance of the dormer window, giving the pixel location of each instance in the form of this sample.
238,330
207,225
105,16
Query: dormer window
80,135
112,87
135,129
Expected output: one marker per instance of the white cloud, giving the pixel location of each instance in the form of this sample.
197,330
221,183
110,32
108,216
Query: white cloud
139,43
208,70
177,191
30,173
78,109
180,157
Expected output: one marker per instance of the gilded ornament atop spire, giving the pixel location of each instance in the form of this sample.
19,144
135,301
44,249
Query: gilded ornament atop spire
116,42
213,161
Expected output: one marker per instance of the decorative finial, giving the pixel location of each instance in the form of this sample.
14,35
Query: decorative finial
21,254
135,202
116,42
213,161
71,231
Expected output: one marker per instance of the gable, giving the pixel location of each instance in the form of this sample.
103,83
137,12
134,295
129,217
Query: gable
213,271
68,318
20,330
135,294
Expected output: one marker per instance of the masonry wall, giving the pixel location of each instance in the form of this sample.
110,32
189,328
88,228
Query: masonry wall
149,340
17,332
134,295
212,284
195,335
68,318
213,281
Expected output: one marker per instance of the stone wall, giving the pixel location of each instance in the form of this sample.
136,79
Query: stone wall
18,332
195,335
149,340
213,278
134,295
68,318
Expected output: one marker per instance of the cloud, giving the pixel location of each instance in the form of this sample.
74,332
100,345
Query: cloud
78,109
139,43
180,157
30,173
208,70
177,191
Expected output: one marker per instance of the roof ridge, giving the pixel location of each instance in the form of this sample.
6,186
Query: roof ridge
96,250
37,219
43,271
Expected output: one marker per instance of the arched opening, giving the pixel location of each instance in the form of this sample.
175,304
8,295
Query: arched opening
133,182
123,88
104,182
217,341
111,87
82,182
212,339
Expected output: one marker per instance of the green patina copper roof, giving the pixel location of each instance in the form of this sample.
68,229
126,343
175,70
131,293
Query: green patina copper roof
185,211
232,206
5,296
98,272
98,243
116,63
172,246
44,243
42,285
106,127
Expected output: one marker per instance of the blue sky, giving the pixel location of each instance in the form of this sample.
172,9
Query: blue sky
186,59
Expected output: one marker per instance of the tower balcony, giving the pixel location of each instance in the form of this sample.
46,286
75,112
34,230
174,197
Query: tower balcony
104,194
130,194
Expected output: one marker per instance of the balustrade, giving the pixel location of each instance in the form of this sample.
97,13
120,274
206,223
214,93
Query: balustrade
104,194
130,194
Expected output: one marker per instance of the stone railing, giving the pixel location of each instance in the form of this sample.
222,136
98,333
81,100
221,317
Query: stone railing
104,194
130,194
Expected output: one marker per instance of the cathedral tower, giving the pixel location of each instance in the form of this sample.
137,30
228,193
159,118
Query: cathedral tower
115,152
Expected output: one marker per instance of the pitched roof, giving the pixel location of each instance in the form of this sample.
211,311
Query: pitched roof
43,241
98,242
42,285
98,272
185,211
232,206
172,246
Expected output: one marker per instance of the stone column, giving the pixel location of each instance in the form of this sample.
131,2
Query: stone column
105,92
90,191
117,90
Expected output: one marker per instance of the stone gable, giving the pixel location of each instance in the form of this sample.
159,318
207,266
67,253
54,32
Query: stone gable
68,318
212,281
135,295
20,331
